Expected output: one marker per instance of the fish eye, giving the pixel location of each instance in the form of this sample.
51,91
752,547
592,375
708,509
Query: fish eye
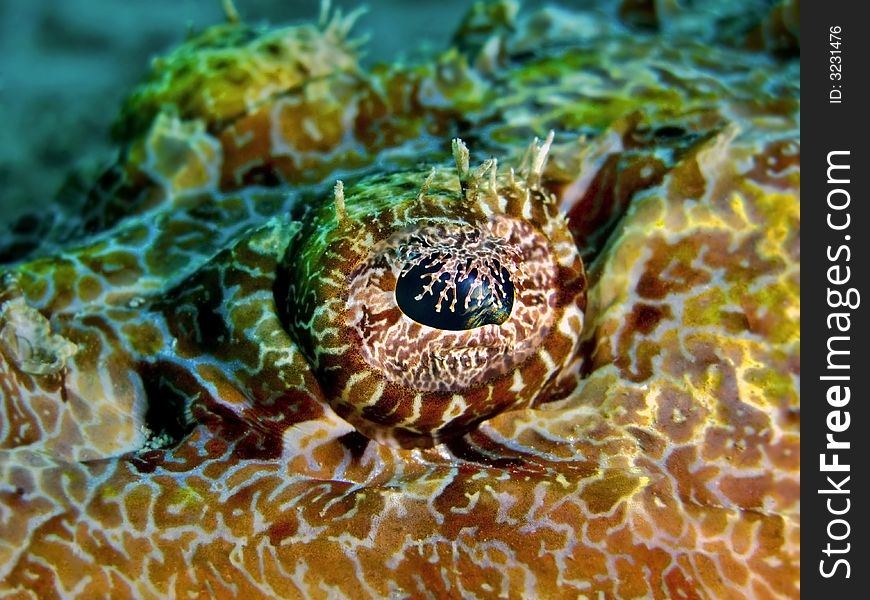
449,306
447,293
423,316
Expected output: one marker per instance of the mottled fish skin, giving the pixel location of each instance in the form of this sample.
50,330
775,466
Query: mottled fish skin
207,388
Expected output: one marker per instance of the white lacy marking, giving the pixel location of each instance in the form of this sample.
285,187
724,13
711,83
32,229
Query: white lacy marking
592,158
303,438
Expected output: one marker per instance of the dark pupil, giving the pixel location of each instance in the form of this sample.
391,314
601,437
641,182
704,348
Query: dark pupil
484,308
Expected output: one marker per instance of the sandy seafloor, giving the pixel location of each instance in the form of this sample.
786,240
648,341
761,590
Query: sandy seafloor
65,65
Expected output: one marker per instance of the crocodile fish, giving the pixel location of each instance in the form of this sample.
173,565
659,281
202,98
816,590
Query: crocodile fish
517,320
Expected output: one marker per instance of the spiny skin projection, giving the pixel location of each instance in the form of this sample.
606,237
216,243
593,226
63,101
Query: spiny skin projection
208,387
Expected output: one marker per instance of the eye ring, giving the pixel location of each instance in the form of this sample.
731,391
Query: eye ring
428,350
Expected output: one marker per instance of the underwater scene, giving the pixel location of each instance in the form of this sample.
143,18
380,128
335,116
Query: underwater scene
411,300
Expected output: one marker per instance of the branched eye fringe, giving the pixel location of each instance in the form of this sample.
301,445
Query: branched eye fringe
460,255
